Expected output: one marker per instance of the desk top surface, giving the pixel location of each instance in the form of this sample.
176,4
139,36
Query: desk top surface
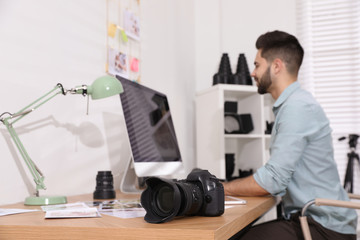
33,225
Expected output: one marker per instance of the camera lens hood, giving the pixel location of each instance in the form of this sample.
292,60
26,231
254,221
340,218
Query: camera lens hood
158,209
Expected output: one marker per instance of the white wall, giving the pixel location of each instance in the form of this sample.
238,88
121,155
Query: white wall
44,42
169,66
232,26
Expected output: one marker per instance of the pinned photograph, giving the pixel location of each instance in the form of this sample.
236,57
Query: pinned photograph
132,25
118,63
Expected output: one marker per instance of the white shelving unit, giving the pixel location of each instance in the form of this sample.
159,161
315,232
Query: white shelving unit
251,150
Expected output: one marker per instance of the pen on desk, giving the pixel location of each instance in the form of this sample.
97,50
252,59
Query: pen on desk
236,200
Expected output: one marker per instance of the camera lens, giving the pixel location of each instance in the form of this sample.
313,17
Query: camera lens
191,199
165,199
104,186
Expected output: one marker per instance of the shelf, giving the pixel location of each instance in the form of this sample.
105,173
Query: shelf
250,150
243,136
230,89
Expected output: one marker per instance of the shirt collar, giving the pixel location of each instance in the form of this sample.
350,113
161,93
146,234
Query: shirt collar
286,93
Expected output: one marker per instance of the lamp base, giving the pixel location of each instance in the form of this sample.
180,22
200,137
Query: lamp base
45,200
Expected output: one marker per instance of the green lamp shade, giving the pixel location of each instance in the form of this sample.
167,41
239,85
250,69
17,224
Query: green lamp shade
103,87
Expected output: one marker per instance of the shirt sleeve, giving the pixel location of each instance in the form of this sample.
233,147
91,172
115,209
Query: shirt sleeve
295,123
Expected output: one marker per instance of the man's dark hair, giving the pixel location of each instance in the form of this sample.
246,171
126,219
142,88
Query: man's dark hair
281,45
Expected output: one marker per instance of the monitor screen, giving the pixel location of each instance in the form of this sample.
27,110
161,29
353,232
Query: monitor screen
150,128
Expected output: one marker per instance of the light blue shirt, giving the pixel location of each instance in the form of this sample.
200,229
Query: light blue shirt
302,167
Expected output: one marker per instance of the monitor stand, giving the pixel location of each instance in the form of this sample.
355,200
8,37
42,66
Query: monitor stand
129,180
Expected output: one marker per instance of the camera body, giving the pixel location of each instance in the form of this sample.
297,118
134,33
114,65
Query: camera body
199,194
213,191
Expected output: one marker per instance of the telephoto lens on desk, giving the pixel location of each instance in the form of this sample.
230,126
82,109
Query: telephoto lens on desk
104,186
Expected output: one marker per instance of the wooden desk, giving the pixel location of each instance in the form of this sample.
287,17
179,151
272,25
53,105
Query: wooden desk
33,225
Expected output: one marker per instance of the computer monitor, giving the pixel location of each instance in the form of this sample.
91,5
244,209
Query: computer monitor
153,143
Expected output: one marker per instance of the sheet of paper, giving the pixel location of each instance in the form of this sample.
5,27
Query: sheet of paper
123,36
134,64
112,30
10,211
67,206
73,213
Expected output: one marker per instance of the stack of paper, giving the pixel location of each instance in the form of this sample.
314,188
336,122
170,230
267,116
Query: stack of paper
71,210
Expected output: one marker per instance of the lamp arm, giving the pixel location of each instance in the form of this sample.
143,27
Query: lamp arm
29,108
34,170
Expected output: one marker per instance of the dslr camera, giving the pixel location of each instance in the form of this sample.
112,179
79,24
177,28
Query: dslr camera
199,194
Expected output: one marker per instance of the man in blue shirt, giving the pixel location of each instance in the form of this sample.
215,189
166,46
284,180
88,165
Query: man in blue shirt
301,167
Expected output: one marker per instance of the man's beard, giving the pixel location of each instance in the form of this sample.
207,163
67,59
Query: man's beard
264,82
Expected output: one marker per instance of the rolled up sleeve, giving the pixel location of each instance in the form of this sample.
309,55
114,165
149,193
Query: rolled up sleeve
288,144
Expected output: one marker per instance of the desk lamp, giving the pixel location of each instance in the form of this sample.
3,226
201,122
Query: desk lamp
102,87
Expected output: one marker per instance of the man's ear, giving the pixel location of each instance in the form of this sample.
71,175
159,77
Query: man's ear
277,65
